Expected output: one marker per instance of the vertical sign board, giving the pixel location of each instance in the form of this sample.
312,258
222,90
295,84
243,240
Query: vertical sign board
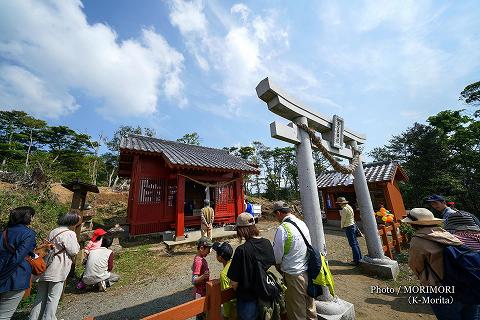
337,132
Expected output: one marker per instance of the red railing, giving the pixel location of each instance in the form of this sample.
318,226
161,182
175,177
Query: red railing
210,304
397,239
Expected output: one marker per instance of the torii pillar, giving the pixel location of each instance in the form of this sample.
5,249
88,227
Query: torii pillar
341,142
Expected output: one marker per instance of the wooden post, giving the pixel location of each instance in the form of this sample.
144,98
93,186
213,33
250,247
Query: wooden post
396,238
214,300
135,188
180,217
239,197
386,245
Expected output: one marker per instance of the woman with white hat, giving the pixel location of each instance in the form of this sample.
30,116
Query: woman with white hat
425,258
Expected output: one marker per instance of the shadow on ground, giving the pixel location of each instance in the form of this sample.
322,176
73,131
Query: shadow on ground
401,304
148,308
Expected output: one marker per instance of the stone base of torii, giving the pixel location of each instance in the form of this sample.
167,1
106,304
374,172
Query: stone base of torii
375,262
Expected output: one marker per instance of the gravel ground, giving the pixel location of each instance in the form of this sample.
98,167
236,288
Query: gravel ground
173,287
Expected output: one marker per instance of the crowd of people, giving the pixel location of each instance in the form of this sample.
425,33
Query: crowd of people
430,258
288,253
17,248
438,257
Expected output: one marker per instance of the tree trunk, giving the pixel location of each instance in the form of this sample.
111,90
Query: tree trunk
110,178
115,182
28,151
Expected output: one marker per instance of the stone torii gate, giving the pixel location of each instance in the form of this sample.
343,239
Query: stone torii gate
338,141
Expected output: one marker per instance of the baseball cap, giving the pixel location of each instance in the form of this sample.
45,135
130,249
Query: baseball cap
98,233
435,197
277,205
204,242
245,219
224,250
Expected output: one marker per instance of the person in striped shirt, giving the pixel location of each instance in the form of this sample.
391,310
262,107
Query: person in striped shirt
462,224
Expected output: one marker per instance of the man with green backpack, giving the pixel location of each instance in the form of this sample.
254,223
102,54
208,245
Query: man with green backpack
291,261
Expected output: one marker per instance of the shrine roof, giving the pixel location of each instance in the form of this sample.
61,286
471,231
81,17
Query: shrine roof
183,155
374,172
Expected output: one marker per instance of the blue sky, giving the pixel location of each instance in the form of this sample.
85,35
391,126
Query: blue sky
180,67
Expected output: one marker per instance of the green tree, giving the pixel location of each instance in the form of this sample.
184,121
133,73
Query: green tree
471,96
190,138
20,134
111,158
441,157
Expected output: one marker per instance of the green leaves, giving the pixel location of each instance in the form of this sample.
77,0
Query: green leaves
442,157
190,138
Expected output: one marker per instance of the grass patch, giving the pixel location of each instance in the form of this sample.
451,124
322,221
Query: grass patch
47,209
138,264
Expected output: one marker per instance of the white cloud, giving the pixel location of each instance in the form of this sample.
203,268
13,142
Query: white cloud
188,16
240,53
53,44
396,45
21,90
241,9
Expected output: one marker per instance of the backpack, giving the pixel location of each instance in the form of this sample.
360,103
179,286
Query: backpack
266,284
314,267
50,256
462,270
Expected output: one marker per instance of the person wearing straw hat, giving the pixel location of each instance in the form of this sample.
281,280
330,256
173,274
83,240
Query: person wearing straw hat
347,223
425,258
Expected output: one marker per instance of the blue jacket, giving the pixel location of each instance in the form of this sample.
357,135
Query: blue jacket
250,209
15,271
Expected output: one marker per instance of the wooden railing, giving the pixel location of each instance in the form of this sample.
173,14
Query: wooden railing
396,236
210,304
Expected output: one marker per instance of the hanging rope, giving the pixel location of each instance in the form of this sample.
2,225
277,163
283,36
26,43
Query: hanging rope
208,185
335,164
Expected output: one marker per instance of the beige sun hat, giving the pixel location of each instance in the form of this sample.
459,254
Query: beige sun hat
341,200
245,219
421,216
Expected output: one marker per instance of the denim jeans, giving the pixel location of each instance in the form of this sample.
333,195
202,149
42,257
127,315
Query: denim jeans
456,311
353,242
9,302
247,309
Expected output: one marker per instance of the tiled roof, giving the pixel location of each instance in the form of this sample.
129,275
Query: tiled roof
374,172
185,155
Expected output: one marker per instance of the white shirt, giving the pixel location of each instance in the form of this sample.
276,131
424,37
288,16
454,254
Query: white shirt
295,261
96,269
58,270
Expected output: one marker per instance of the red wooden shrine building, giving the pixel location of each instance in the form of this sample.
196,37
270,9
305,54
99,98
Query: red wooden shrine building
383,183
170,180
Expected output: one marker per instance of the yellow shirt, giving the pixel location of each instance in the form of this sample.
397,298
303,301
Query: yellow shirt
228,307
346,215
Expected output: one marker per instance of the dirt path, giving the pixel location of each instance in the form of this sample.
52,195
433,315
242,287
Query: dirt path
173,287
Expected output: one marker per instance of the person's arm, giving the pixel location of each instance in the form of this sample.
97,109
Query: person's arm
196,280
235,269
417,258
342,217
110,262
70,243
278,245
477,221
23,249
213,218
202,217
